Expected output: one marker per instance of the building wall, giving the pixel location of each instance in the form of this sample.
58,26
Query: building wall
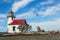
10,29
10,20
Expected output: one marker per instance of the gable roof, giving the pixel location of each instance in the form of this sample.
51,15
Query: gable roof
17,22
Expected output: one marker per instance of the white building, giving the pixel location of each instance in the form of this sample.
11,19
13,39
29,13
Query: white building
16,26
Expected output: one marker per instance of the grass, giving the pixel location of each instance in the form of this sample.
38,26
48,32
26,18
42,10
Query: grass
37,37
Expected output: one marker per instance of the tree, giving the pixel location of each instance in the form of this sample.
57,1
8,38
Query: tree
43,30
24,27
20,28
38,29
29,28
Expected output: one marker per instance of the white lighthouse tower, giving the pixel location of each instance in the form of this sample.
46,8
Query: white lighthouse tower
10,19
10,16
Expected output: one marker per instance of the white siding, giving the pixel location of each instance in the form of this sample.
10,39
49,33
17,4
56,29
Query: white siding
10,20
10,29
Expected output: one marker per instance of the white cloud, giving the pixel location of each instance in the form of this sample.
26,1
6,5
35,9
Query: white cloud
47,2
8,1
2,16
20,4
16,0
2,20
3,29
50,10
31,13
26,15
47,25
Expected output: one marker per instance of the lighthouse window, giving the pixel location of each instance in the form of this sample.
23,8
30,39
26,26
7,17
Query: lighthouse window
13,28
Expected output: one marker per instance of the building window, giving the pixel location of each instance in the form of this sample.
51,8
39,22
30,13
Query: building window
13,28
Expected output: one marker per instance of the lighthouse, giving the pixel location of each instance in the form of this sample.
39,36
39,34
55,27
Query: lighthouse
16,26
10,18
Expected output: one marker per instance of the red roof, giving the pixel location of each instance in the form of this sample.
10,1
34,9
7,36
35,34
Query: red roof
16,22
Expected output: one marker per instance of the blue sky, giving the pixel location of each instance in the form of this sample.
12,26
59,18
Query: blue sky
48,12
